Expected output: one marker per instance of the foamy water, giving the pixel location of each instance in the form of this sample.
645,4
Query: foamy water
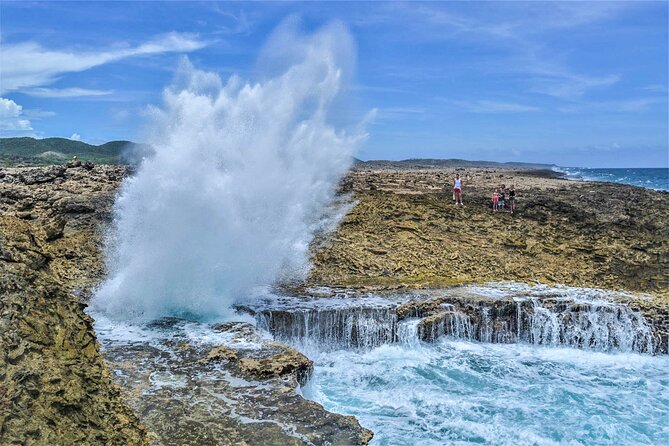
452,391
457,392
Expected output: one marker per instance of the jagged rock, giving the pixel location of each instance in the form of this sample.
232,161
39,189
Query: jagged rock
53,229
55,388
286,361
41,175
405,232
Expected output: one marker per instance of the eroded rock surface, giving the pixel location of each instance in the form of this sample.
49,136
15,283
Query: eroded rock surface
405,232
233,388
55,388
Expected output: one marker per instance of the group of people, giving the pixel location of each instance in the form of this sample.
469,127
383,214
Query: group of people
504,199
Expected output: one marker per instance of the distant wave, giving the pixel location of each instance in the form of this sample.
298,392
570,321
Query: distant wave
649,178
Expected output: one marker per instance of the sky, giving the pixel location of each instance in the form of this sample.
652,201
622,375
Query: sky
567,83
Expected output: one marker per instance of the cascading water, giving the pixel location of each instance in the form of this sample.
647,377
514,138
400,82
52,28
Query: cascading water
237,185
544,370
365,324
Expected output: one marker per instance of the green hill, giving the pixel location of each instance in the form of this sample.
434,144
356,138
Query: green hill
31,151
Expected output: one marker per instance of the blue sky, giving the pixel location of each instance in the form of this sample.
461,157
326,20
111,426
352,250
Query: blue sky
570,83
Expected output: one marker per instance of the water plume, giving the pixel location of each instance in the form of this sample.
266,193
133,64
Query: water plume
237,186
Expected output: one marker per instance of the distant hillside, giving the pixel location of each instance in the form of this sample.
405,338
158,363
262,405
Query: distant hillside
39,152
439,163
35,152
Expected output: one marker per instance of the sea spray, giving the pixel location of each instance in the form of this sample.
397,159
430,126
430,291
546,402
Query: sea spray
238,184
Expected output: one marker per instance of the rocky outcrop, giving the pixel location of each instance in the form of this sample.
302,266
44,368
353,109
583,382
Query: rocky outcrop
404,231
243,391
54,385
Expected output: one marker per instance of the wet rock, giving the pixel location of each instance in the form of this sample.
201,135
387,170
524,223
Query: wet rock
286,361
241,392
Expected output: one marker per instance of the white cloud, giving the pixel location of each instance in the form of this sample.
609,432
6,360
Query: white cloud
65,92
11,118
75,137
27,65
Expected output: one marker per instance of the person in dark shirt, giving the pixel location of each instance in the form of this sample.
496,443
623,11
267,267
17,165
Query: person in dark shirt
512,198
500,199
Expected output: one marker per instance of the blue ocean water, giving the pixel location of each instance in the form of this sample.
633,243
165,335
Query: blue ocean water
650,178
467,393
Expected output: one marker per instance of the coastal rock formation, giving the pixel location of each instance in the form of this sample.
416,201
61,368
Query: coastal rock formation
404,231
241,390
562,316
55,386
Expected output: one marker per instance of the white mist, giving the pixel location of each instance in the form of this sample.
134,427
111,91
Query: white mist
240,177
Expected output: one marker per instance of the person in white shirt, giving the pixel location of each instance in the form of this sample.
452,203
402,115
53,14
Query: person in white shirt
457,189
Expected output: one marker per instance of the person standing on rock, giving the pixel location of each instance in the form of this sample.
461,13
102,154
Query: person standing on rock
457,189
512,198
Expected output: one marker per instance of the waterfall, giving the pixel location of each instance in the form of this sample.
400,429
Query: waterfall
331,328
600,326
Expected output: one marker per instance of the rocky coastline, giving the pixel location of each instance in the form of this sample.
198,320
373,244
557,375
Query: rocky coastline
403,233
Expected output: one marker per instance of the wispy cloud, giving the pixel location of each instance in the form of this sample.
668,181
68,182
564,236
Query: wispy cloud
240,21
526,38
394,113
27,65
656,88
484,106
621,106
566,85
38,114
64,92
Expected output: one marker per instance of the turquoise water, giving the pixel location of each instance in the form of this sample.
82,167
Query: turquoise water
466,393
650,178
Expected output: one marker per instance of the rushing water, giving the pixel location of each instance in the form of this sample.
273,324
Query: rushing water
506,372
460,392
492,376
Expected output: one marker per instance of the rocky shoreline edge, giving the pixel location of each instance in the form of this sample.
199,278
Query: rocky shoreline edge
402,234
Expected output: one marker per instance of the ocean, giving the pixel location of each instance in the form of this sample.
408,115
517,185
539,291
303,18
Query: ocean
649,178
